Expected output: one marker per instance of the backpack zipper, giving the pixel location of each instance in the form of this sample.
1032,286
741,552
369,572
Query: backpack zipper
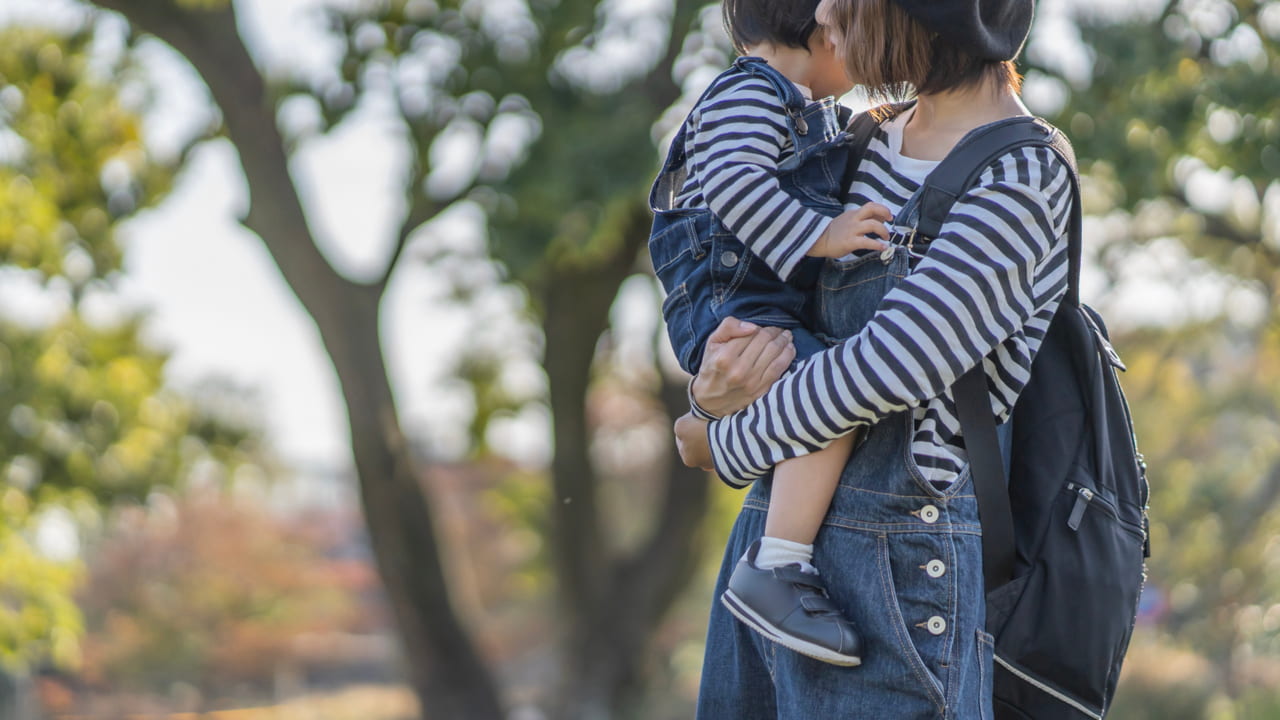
1086,497
1048,690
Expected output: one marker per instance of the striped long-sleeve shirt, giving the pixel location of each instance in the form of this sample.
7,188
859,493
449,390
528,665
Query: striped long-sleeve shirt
987,288
736,140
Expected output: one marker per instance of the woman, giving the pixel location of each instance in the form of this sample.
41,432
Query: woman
902,539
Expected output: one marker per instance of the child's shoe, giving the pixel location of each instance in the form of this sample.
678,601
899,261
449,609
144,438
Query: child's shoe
791,607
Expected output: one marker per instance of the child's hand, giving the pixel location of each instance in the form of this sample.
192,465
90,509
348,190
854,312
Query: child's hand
852,230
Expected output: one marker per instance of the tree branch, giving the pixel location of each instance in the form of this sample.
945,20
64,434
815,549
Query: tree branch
1217,226
421,211
659,85
210,41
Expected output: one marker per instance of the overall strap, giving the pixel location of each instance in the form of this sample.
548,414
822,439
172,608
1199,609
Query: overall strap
951,179
662,195
789,96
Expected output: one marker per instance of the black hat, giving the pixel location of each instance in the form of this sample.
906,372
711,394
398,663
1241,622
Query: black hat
989,29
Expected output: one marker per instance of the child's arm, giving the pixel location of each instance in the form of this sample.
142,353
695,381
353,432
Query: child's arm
736,148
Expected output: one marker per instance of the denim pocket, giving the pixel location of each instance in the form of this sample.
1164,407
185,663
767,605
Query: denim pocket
850,291
894,619
673,239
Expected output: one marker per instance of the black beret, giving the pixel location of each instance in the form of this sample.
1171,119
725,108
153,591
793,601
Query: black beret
989,29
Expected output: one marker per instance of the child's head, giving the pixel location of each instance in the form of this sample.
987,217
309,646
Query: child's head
929,46
781,23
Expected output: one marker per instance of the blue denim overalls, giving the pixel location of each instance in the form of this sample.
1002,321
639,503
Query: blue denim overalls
901,558
707,272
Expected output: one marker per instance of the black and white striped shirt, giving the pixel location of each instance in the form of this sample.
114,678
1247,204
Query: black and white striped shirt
991,281
736,139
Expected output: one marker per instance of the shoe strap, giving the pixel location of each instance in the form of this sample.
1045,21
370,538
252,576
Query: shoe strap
818,605
816,602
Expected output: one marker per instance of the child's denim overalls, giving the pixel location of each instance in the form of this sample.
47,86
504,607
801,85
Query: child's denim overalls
901,558
707,272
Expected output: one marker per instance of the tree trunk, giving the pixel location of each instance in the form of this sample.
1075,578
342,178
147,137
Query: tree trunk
443,667
614,605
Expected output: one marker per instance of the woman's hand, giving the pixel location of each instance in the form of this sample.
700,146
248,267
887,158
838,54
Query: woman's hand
742,360
691,441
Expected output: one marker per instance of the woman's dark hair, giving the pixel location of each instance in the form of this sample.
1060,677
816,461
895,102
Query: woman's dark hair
892,54
788,23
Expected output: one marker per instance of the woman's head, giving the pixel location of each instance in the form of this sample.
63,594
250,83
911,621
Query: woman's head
781,23
930,46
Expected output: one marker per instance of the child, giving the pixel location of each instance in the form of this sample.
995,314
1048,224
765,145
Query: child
750,188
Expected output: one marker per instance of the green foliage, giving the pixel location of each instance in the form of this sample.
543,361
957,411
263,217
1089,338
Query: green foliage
85,419
73,162
87,412
1199,92
38,618
202,4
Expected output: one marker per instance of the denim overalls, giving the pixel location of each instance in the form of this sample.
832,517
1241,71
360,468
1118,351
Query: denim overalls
901,558
707,272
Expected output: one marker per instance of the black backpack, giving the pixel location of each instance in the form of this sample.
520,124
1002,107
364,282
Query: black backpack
1064,541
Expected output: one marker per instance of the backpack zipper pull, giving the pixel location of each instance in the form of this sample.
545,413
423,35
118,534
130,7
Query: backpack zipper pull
1083,496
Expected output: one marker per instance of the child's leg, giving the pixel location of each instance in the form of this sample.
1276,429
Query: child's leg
775,589
802,492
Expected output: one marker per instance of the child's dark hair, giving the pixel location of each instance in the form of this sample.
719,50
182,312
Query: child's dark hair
788,23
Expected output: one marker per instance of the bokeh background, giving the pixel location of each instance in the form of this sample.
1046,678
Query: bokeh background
332,380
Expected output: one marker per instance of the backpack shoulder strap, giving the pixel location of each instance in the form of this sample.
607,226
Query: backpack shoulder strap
962,167
951,179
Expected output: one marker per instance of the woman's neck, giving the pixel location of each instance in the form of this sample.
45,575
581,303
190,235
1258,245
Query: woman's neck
941,119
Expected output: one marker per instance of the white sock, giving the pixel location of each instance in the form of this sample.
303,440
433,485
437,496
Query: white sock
776,552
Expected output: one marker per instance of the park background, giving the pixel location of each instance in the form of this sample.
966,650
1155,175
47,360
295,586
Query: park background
332,381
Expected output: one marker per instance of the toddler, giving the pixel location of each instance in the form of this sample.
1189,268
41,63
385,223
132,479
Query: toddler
749,197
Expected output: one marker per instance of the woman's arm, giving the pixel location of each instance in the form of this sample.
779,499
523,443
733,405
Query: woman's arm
974,289
741,361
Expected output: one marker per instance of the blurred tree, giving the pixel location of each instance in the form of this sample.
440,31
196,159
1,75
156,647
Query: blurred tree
214,592
1174,110
87,421
560,131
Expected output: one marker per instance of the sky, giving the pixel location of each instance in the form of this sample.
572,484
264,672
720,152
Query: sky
216,300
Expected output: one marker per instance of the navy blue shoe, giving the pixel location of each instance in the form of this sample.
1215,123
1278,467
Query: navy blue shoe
791,607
